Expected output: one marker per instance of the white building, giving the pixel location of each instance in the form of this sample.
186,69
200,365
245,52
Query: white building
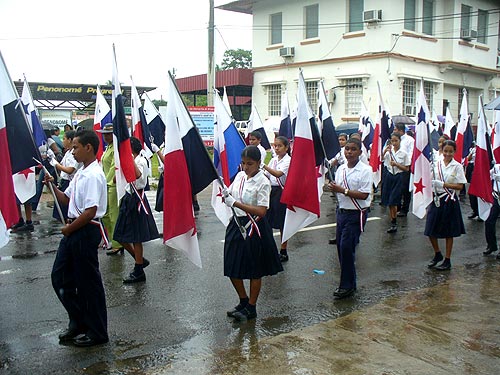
352,44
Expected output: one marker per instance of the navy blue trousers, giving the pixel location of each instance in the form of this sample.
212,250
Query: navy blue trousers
348,232
490,226
77,282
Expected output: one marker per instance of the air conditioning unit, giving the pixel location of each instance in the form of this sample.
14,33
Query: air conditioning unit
287,52
410,110
468,34
498,62
372,16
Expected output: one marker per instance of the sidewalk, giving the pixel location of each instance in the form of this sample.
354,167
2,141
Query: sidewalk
448,329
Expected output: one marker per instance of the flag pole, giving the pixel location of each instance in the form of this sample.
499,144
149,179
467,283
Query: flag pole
56,202
219,179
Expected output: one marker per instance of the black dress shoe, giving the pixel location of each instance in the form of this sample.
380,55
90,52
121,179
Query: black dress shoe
402,214
438,257
343,293
392,229
332,241
488,251
284,258
445,266
135,278
472,216
115,251
244,315
86,341
236,309
69,335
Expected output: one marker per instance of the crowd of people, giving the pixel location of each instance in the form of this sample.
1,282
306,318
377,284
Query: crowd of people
86,191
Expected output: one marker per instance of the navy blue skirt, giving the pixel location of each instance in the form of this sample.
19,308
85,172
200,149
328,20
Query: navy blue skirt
134,225
277,210
253,257
391,190
444,221
159,195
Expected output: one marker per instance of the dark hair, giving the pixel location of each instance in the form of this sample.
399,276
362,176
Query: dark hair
136,145
396,135
69,126
54,130
256,134
343,135
70,134
451,143
88,137
285,142
401,127
355,135
356,141
251,152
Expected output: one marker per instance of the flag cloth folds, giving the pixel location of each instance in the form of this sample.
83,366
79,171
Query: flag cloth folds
422,153
286,122
8,209
228,146
480,185
153,120
179,228
449,123
32,115
225,100
124,161
496,137
102,116
328,133
366,127
380,136
301,192
137,125
255,124
464,136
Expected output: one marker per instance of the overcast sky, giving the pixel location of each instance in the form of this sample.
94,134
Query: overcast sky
71,41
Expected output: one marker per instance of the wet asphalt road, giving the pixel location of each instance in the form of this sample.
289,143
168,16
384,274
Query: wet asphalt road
179,313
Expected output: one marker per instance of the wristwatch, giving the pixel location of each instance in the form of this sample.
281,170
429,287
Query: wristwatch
346,191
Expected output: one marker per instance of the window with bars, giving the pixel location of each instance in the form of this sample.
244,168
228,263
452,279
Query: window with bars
312,94
356,8
312,21
274,100
410,14
465,17
276,28
409,97
429,94
482,25
428,14
353,96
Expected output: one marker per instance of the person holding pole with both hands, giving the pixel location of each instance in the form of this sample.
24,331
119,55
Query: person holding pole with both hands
75,274
254,255
444,218
353,185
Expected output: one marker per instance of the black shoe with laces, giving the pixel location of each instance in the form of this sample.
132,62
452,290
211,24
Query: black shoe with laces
444,266
472,216
392,229
489,250
244,314
19,224
283,257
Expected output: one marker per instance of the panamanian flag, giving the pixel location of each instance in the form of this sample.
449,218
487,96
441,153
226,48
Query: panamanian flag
124,161
102,116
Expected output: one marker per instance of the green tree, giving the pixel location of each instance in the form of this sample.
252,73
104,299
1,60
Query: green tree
159,102
236,58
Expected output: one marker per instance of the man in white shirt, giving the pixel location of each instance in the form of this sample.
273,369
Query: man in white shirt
75,274
407,145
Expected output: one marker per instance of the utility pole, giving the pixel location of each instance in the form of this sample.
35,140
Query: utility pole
211,65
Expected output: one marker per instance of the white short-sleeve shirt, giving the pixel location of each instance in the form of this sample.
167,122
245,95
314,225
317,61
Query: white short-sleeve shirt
401,157
87,189
359,178
453,173
254,191
68,160
263,154
280,165
142,181
407,144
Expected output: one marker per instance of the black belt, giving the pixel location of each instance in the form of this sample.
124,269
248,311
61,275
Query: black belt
95,221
